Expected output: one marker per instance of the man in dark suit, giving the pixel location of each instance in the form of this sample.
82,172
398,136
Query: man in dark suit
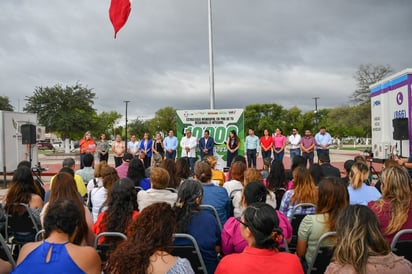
206,144
327,168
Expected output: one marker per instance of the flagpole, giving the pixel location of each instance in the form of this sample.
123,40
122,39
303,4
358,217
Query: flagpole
211,64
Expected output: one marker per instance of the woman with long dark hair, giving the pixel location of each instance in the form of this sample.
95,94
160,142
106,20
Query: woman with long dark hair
170,166
202,225
147,249
121,209
24,190
304,191
98,195
333,197
136,173
64,187
361,248
259,226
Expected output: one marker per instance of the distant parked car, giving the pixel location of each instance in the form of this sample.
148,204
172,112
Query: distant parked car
44,145
57,144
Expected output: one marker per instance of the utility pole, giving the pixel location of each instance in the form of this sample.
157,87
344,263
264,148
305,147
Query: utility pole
316,111
211,64
125,139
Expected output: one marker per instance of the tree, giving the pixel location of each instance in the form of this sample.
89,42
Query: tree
67,111
5,104
104,123
165,119
365,76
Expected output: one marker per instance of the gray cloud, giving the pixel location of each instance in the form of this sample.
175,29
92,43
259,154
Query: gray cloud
265,51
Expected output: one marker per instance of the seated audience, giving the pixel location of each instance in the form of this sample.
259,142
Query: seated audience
347,166
170,166
24,190
97,181
69,163
183,170
218,177
394,208
327,169
98,196
201,224
121,209
304,191
159,179
361,248
65,188
87,172
124,167
147,249
213,195
276,181
260,228
236,174
137,174
251,175
232,241
59,253
359,191
333,197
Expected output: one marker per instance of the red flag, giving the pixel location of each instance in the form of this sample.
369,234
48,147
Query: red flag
119,12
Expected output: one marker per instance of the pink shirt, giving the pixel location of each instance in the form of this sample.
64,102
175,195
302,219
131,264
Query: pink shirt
233,242
279,141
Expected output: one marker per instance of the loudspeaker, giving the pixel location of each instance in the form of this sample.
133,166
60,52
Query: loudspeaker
400,129
28,133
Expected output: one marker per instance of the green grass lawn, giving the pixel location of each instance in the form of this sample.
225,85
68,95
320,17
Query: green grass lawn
355,148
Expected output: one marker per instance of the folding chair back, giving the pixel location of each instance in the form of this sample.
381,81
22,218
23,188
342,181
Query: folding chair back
190,252
20,220
104,249
402,247
40,235
322,255
295,221
213,210
5,252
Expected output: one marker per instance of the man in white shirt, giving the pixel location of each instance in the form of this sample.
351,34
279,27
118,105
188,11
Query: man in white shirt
133,146
188,144
294,141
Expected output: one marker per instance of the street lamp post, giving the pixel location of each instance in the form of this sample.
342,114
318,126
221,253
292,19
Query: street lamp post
316,112
211,64
125,139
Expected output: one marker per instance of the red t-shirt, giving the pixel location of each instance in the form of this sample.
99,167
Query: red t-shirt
97,229
256,260
266,142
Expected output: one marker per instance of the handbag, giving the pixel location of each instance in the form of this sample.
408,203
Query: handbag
142,155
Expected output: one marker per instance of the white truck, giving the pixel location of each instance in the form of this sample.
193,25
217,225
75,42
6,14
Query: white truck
12,149
391,108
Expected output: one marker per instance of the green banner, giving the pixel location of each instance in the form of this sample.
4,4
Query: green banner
219,122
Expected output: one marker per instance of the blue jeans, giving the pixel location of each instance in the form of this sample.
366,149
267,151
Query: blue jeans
278,156
294,152
191,161
171,155
320,151
308,157
266,154
251,158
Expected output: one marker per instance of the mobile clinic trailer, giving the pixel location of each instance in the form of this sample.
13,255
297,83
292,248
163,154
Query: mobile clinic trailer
391,111
17,139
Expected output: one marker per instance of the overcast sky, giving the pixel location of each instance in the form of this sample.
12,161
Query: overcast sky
266,51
